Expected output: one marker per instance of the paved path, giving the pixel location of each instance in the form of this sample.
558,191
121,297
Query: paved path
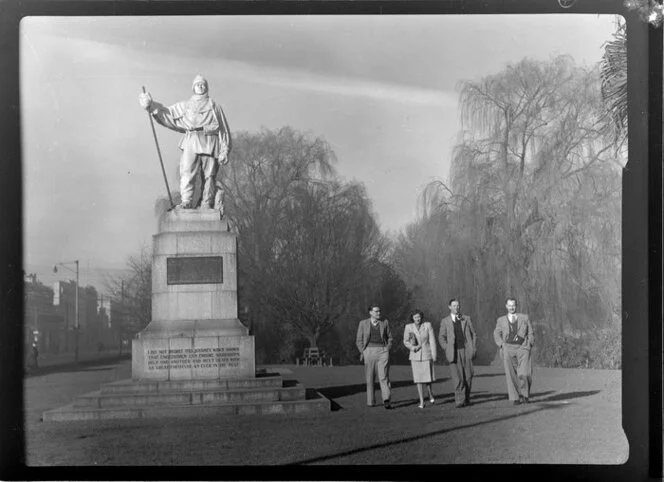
575,419
49,363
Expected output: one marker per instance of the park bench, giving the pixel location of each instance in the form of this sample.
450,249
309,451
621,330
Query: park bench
313,357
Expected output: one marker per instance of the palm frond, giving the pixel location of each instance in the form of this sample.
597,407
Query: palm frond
613,74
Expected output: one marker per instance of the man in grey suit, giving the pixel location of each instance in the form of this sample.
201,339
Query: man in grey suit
374,341
458,340
514,337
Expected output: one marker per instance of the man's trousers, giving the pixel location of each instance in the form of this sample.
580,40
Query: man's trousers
518,371
192,164
462,376
377,362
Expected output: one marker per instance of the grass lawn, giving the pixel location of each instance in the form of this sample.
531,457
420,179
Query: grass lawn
575,419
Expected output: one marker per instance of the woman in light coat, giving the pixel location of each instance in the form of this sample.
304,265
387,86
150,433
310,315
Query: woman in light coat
419,338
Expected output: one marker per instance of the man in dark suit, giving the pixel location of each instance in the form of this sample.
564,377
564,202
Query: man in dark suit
458,340
374,341
514,337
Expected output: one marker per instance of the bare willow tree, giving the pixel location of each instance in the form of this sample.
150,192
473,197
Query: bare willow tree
324,257
532,207
259,183
133,291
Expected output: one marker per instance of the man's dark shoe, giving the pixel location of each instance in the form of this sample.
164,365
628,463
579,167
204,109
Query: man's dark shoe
516,402
525,400
387,405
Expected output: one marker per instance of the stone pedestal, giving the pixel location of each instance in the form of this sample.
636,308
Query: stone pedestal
194,333
195,358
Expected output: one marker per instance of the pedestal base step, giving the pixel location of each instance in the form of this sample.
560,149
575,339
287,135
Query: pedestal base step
203,397
317,403
129,399
262,380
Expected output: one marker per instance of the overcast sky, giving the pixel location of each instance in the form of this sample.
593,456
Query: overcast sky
380,89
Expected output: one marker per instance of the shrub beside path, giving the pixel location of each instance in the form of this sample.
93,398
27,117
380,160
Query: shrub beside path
575,418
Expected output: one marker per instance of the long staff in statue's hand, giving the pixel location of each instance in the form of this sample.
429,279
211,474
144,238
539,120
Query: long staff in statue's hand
163,171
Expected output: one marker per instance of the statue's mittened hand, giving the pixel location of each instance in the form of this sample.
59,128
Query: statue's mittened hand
223,152
145,99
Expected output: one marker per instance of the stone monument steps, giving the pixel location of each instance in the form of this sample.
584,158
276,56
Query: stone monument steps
202,397
145,386
314,402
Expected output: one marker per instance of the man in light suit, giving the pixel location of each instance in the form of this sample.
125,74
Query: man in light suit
374,341
458,340
514,337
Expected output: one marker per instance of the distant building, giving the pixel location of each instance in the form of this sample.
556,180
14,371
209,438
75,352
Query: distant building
50,318
43,324
114,317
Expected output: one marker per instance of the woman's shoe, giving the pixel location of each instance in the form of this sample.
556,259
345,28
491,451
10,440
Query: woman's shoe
432,401
421,405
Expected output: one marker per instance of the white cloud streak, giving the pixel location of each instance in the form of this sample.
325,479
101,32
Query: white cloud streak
129,60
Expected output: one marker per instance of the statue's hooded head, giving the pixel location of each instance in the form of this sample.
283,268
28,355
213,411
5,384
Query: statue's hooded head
199,85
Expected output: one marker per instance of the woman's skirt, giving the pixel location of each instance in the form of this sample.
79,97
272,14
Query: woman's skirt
423,371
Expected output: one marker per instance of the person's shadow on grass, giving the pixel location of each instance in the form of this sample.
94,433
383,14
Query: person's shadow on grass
348,390
535,397
567,396
440,400
478,398
486,375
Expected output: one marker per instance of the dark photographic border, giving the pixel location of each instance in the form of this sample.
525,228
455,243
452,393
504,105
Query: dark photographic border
641,244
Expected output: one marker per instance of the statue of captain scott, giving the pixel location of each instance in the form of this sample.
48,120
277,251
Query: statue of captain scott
206,142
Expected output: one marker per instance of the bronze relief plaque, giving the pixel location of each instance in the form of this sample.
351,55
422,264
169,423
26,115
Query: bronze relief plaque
194,270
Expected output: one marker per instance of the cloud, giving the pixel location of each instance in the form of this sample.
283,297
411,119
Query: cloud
131,62
338,85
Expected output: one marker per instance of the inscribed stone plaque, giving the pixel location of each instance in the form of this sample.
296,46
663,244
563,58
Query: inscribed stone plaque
187,358
194,270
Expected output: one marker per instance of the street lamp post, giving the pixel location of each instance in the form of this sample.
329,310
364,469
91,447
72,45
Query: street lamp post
76,324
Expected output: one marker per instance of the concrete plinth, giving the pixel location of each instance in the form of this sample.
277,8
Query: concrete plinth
194,332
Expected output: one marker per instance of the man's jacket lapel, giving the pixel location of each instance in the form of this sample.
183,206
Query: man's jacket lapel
367,331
